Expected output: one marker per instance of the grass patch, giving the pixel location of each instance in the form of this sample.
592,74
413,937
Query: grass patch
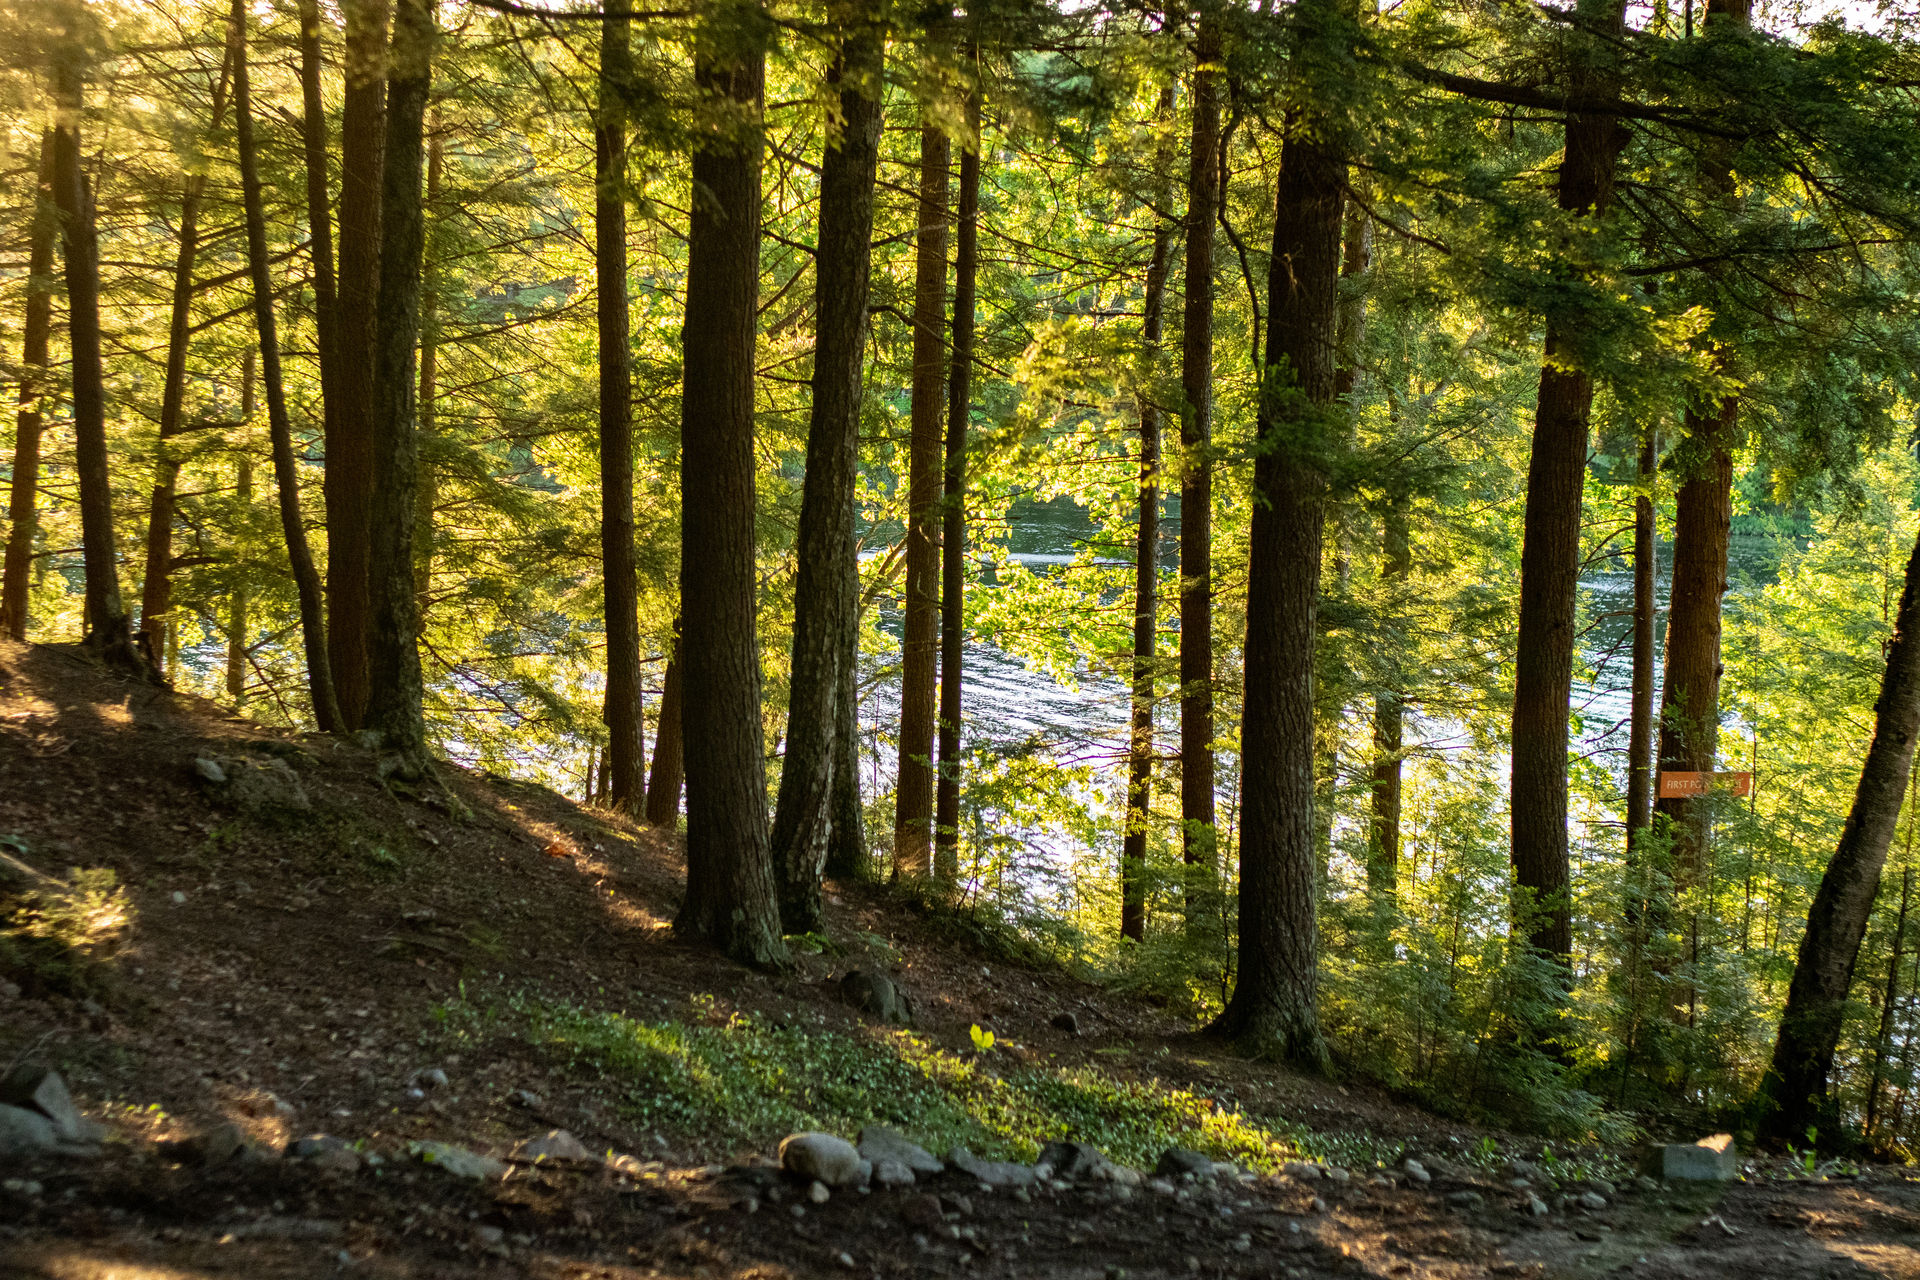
60,940
746,1082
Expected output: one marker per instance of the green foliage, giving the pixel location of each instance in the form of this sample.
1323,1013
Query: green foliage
61,941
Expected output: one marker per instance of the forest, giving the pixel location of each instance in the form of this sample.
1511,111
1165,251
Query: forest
1388,531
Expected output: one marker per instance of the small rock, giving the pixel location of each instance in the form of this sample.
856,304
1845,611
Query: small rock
990,1173
876,994
1416,1171
844,1259
486,1237
1122,1175
1228,1169
955,1202
432,1078
1602,1186
891,1173
1071,1162
24,1132
458,1161
821,1157
1162,1185
1336,1174
214,1147
324,1151
1465,1200
210,770
1589,1237
923,1212
1535,1207
24,1186
1520,1184
9,990
1319,1205
1645,1183
1175,1161
44,1091
1591,1202
555,1144
525,1098
1067,1023
878,1143
818,1193
179,898
1302,1170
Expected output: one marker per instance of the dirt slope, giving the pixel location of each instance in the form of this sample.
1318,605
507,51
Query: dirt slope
303,947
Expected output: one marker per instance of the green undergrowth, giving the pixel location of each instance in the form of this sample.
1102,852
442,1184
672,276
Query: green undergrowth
59,939
744,1082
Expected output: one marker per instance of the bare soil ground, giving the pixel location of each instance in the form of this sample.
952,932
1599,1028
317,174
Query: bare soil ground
282,972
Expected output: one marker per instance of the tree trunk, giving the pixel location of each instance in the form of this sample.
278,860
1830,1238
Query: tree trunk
1640,731
619,574
427,500
394,690
326,708
1196,467
156,591
238,602
350,462
1549,573
826,594
1389,719
953,537
1888,995
847,855
663,786
913,794
313,137
24,498
1146,610
1795,1087
731,902
109,632
1273,1003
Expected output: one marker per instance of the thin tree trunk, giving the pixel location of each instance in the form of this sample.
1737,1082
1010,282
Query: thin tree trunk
1795,1087
350,460
326,708
238,602
826,593
1146,608
427,501
394,692
1640,732
1273,1004
847,855
953,537
1389,719
1196,469
1888,995
1549,571
913,793
663,786
621,578
156,591
731,903
109,632
23,499
314,145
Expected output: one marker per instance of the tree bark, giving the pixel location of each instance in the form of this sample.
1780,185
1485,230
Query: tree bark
314,145
394,692
953,537
847,855
238,603
1794,1090
1146,609
1889,993
1196,469
109,632
23,499
619,574
156,591
731,903
1550,568
1273,1003
913,793
326,708
663,786
427,500
826,594
350,462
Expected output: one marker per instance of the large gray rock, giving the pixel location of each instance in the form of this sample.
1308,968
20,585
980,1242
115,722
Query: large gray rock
555,1144
995,1173
1175,1161
252,785
458,1161
821,1157
25,1133
1072,1162
879,1143
38,1089
876,995
1711,1159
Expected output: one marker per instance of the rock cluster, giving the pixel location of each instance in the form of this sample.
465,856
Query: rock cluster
37,1116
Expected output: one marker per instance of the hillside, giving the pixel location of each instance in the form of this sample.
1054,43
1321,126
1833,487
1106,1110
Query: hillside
288,949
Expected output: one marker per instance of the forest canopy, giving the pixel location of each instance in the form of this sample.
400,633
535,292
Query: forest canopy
1387,529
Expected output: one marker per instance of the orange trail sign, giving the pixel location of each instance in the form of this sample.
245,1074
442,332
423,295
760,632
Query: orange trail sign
1680,786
